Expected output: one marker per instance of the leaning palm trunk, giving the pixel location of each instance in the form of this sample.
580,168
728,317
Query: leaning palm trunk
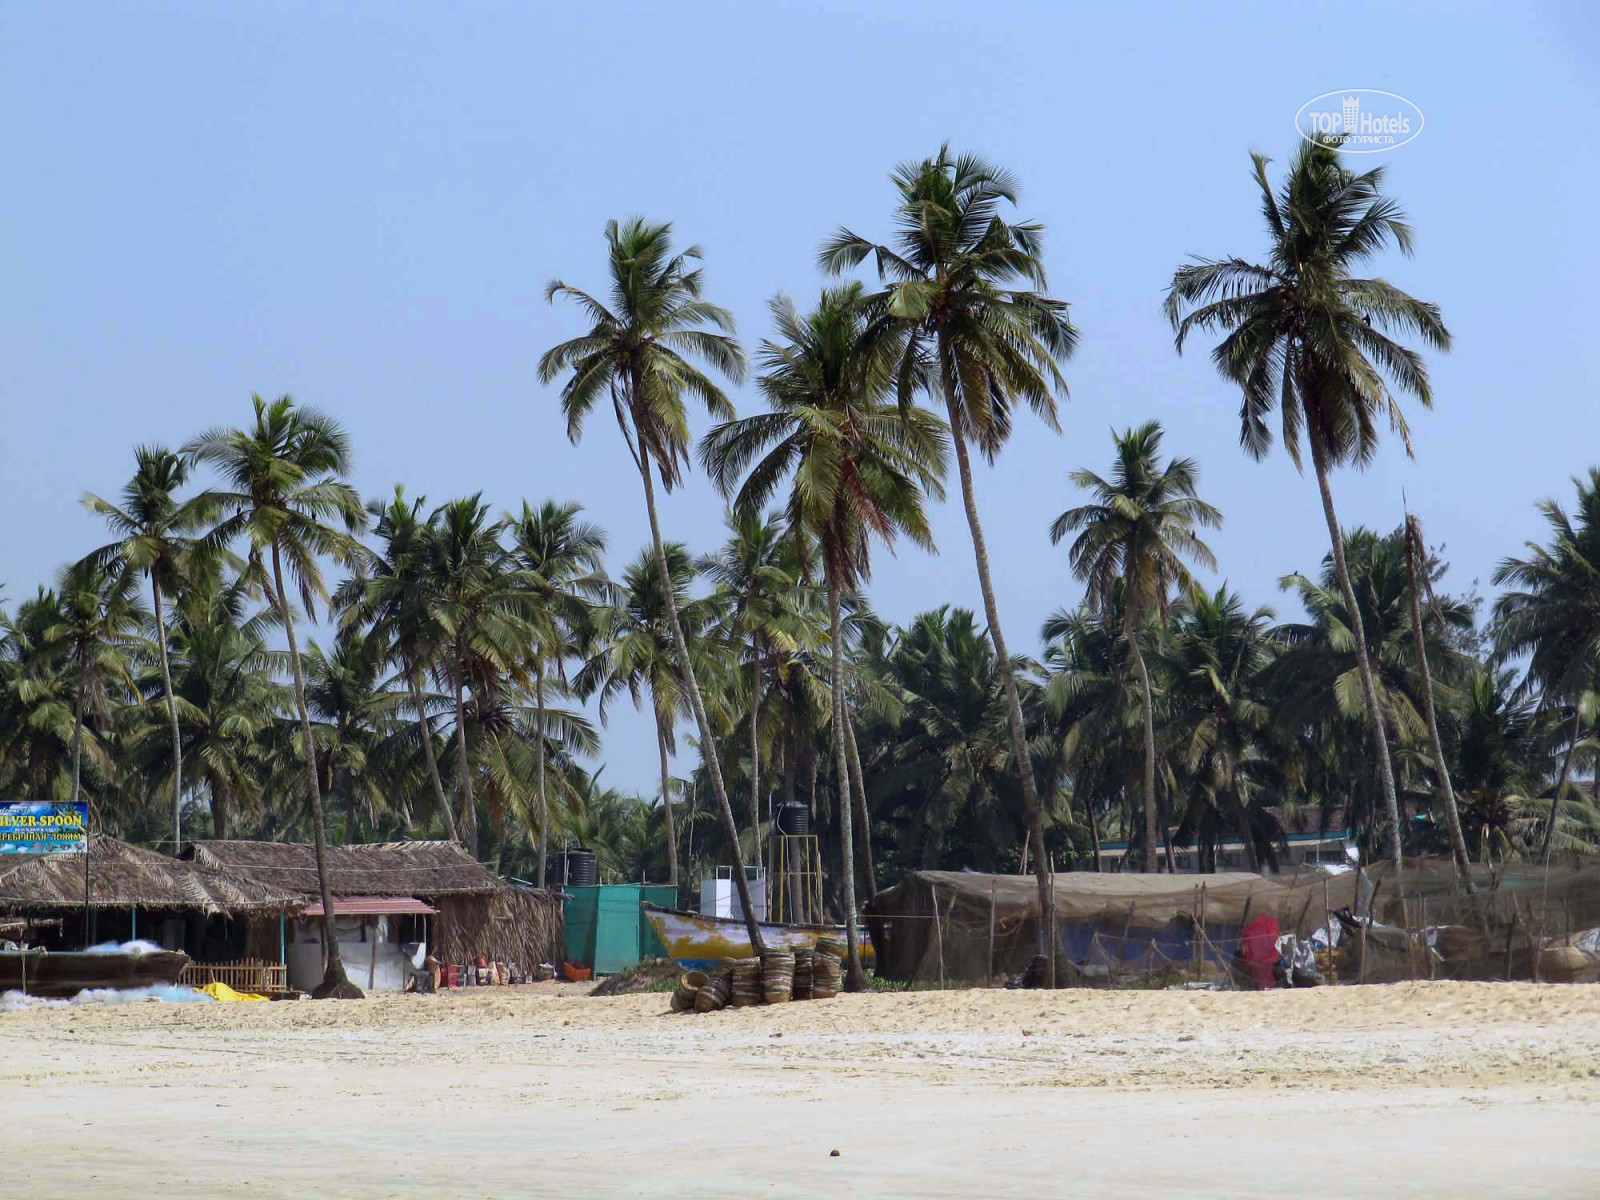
1147,709
855,978
863,820
666,800
425,732
1555,796
172,717
1369,691
469,814
1019,738
538,755
334,981
708,744
1447,792
755,745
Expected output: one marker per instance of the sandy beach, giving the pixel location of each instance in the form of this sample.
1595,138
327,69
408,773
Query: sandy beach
1416,1089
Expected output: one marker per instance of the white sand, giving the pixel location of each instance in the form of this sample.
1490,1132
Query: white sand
1419,1089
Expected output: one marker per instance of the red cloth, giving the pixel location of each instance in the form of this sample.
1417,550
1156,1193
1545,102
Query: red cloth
1260,945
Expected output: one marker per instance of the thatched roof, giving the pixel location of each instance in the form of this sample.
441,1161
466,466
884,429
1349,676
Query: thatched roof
124,876
437,868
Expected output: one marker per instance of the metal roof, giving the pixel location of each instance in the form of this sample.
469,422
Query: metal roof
372,906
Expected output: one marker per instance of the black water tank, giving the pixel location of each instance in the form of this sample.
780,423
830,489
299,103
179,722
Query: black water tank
576,868
794,819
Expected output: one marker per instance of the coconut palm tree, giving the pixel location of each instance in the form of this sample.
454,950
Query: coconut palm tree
638,653
387,590
1306,335
1553,615
958,277
100,619
353,712
562,558
474,597
38,704
756,574
1138,531
153,528
285,494
637,353
859,467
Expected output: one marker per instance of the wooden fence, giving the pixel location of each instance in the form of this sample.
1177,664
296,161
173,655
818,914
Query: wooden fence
246,975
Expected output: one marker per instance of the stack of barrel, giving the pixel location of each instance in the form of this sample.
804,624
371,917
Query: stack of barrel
777,976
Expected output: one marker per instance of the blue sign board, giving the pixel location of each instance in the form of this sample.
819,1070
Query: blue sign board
38,827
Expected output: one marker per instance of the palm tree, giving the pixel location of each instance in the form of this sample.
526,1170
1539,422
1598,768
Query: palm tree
39,732
99,621
284,478
860,467
1419,578
637,654
473,592
955,267
563,560
1553,615
152,527
1217,661
388,590
353,711
1306,335
756,574
637,353
1138,531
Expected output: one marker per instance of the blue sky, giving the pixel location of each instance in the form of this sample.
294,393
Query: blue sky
360,206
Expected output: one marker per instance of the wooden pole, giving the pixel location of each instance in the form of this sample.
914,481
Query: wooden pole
1199,923
991,932
1327,919
938,932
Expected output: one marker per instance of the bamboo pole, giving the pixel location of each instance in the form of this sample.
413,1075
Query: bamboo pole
991,932
938,932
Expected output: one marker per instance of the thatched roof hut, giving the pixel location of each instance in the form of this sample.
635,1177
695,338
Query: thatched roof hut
478,913
124,876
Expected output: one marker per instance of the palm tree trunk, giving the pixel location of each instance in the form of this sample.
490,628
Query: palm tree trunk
1147,709
1019,737
172,716
221,806
425,732
469,815
1555,797
1380,741
77,733
858,789
538,755
1164,809
349,807
855,978
666,802
1094,832
1241,814
708,743
755,745
1447,792
334,981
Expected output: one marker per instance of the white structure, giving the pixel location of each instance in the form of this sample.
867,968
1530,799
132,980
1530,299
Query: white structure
720,898
366,928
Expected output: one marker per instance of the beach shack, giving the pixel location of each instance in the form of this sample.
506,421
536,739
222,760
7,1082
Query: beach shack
133,893
393,901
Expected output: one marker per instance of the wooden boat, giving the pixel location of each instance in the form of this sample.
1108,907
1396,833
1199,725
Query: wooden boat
699,942
67,972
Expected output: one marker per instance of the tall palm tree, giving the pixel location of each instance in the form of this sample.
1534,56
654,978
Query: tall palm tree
755,571
153,529
388,590
353,711
860,467
1138,531
562,557
285,494
959,277
1217,661
473,591
1553,615
100,617
637,352
1308,336
638,653
39,732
